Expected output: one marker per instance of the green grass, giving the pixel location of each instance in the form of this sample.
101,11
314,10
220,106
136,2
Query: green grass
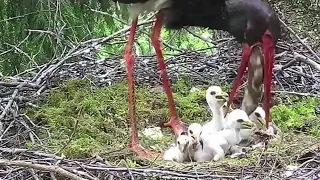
101,116
84,122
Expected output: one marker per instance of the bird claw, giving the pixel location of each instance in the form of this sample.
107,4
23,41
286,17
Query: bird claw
266,133
176,125
238,155
142,152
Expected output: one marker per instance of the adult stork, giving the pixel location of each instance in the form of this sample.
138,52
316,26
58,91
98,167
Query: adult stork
252,22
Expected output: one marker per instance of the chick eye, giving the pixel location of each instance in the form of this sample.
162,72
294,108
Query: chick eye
193,137
257,114
212,93
190,131
178,142
240,120
184,133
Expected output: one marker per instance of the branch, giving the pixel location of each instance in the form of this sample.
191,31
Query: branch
299,39
40,167
306,60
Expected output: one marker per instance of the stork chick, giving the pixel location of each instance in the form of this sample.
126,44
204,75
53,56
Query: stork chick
216,98
179,151
216,145
247,135
237,120
258,117
194,132
207,147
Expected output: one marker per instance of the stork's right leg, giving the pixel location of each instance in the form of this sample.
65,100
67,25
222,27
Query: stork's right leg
135,145
253,91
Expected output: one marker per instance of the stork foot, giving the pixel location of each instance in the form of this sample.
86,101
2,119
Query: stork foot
177,126
142,152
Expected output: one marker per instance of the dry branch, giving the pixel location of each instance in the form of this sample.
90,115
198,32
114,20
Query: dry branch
51,168
312,63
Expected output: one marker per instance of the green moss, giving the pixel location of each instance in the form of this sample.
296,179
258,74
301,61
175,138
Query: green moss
295,112
84,121
101,116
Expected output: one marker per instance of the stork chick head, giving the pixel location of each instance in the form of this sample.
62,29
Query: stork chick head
238,119
194,132
183,142
258,117
216,97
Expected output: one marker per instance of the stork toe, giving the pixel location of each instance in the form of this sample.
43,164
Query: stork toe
141,152
177,126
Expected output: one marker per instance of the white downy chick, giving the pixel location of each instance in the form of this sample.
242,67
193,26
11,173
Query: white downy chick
258,118
207,146
179,151
237,120
215,98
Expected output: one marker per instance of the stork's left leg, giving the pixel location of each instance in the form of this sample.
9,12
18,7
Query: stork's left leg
175,123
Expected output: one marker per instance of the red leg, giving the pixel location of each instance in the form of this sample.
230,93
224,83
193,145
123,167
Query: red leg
269,58
175,123
244,63
134,144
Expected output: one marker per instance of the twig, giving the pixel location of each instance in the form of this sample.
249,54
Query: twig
8,105
294,93
51,168
302,58
299,39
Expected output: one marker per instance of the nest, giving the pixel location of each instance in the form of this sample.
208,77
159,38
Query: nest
296,72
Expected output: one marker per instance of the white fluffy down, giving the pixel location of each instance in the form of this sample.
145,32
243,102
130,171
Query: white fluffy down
173,154
178,152
215,98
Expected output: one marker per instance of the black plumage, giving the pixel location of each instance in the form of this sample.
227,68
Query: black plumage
246,20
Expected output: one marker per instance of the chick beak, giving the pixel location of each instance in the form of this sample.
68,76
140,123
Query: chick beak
194,145
225,96
247,124
195,141
201,143
260,122
185,147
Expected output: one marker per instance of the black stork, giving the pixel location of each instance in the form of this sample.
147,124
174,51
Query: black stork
252,22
